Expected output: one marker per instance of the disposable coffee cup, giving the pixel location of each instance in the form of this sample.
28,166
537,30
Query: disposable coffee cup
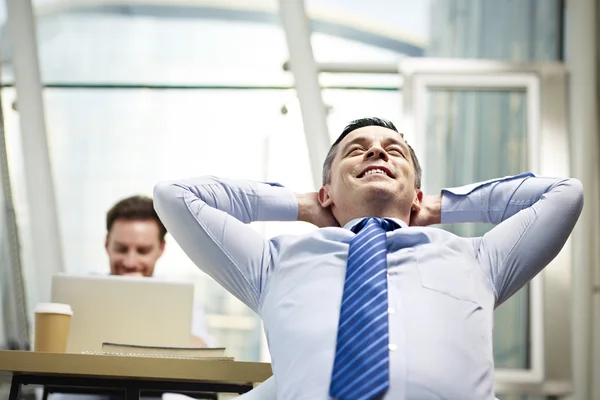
52,322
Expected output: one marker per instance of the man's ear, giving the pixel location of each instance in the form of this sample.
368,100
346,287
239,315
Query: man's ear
416,204
162,247
106,242
324,197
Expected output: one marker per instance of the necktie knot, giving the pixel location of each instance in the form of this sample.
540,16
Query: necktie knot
387,224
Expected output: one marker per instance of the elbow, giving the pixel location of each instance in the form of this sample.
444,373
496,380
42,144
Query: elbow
577,188
161,189
575,191
163,192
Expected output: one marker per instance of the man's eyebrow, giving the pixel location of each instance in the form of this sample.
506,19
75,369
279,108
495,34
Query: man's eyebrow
139,247
400,143
361,139
356,140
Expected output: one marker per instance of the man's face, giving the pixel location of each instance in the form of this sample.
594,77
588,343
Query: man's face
372,163
133,247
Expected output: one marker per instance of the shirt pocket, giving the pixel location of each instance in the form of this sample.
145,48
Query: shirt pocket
448,273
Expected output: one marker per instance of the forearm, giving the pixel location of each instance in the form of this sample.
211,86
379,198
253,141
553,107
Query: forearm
311,211
305,207
208,218
432,208
514,251
493,201
248,201
197,342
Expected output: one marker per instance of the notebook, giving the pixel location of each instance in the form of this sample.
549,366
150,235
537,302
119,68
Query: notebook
213,353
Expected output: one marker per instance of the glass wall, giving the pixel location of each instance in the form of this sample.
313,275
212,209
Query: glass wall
472,137
135,94
13,315
486,131
138,94
527,30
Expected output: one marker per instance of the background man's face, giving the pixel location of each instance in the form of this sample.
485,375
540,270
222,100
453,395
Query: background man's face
133,247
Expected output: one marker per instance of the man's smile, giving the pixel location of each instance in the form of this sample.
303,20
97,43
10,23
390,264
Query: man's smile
375,170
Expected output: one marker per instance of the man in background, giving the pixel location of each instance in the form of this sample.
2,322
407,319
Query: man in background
135,240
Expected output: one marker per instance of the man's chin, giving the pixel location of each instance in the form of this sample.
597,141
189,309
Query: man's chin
376,192
380,187
139,274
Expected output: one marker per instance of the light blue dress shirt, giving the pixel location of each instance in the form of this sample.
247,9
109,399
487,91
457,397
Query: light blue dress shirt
443,289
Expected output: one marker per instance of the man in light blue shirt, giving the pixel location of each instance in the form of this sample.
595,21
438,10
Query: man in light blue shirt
442,289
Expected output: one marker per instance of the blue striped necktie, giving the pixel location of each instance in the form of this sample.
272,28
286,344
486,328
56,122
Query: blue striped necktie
361,366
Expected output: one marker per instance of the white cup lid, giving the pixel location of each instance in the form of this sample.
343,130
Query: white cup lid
53,308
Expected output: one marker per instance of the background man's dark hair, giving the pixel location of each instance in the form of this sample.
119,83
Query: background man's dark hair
360,123
135,208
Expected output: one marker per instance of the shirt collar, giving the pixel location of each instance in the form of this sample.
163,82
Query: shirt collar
355,221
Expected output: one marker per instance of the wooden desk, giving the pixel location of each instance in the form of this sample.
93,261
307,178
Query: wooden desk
130,375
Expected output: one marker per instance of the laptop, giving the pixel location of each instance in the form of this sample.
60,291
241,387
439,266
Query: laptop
126,310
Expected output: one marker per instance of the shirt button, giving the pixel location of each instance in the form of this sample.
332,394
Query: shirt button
391,310
393,347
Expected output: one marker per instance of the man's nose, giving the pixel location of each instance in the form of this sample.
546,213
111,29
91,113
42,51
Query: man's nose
130,261
376,152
